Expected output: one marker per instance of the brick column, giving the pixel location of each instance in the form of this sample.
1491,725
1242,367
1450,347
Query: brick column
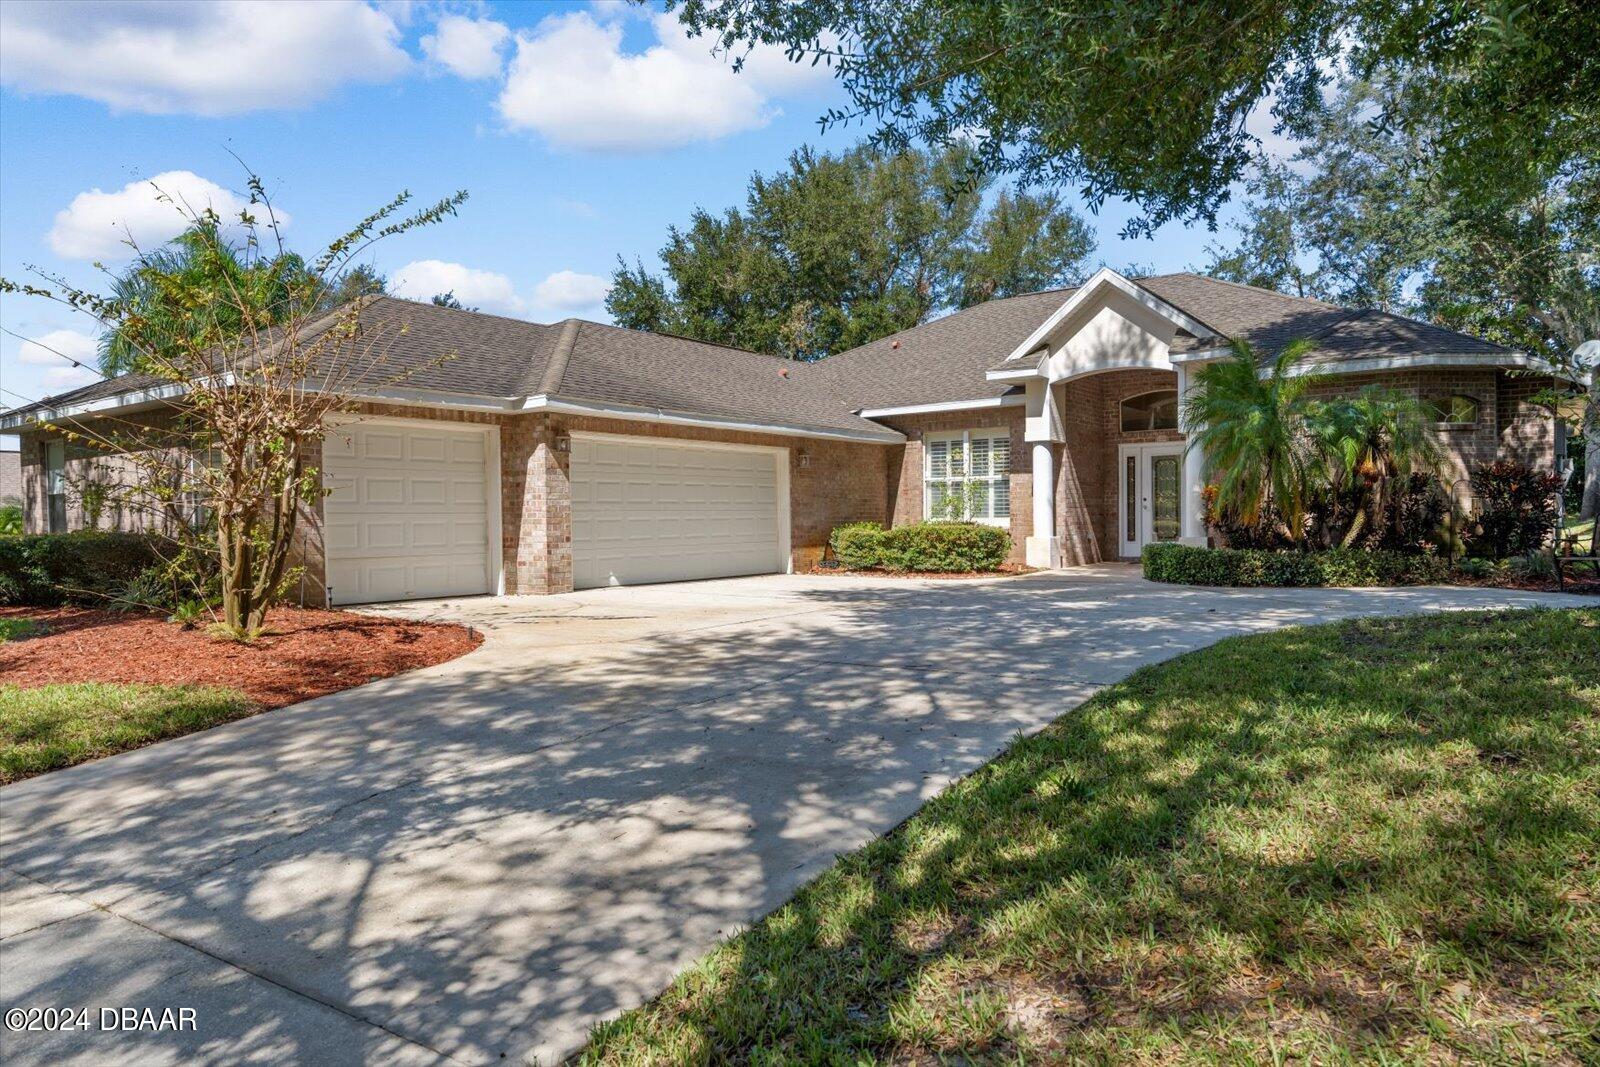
536,505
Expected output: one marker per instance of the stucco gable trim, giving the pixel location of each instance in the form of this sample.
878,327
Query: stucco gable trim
1092,290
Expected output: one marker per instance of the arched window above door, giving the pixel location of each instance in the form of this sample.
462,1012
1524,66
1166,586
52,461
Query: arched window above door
1155,410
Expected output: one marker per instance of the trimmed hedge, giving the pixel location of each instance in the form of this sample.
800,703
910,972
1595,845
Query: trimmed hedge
1189,565
86,567
946,547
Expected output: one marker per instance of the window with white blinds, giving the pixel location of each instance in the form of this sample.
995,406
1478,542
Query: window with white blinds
966,476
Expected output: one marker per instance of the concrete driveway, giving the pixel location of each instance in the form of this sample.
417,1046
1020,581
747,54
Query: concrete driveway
478,861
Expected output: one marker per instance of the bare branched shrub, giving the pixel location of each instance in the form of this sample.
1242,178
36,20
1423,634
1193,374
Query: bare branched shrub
249,354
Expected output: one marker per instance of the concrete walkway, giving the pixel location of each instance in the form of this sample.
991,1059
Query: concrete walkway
478,861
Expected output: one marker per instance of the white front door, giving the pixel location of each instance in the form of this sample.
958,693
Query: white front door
1150,480
663,510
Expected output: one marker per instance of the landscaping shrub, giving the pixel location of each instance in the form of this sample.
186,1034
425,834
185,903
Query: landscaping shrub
857,545
1517,508
1476,567
947,547
1189,565
86,567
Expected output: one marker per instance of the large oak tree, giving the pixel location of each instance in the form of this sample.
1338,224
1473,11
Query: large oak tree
838,250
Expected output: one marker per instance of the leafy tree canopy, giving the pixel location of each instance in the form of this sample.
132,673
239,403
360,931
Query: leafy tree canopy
1148,100
838,250
1355,218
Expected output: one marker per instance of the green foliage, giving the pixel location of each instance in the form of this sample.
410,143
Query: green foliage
1066,96
85,567
1476,567
1190,565
10,519
1358,222
1354,843
1254,436
935,547
48,727
857,545
198,289
15,629
1290,469
1516,508
839,250
1535,563
189,613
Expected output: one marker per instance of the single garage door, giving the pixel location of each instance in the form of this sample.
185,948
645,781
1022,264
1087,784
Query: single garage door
408,513
659,511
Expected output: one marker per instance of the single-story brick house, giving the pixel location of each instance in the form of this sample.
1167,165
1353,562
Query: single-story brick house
543,458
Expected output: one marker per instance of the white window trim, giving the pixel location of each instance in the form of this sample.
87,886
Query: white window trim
965,437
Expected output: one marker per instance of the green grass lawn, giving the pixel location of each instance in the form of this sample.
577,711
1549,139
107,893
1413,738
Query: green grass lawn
55,726
1374,841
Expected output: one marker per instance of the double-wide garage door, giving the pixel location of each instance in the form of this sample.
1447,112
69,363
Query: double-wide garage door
647,510
408,512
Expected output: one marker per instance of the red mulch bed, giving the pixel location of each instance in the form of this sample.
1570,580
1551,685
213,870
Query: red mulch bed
1004,570
307,653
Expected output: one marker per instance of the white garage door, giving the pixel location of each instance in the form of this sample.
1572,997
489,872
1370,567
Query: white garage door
656,511
408,512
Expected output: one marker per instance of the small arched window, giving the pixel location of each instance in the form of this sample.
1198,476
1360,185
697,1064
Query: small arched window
1156,410
1456,410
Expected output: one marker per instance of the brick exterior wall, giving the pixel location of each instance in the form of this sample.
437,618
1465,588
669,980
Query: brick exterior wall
1509,426
10,478
906,465
840,481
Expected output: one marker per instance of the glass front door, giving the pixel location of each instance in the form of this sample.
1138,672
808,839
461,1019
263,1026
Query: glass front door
1166,479
1151,493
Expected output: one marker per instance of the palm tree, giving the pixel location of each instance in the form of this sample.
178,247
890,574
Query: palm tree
1371,441
1253,433
200,285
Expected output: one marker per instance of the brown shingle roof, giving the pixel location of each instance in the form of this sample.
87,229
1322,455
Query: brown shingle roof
469,353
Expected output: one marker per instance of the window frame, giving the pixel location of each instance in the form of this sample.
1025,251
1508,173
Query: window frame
55,487
1441,416
965,438
1122,404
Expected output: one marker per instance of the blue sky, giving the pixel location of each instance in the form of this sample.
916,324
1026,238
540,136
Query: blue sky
581,130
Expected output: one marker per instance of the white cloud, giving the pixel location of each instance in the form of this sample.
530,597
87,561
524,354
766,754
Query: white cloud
47,350
571,82
468,48
568,290
220,58
97,224
424,279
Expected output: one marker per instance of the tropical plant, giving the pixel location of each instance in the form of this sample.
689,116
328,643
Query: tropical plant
1371,444
1517,510
197,288
1253,433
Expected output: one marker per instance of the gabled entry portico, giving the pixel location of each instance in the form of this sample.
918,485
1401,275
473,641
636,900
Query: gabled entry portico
1113,330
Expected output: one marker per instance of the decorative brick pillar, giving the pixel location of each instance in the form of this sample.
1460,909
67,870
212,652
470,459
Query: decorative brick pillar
536,504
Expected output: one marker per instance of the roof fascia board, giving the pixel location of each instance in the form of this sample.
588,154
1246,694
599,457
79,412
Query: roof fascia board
885,436
1009,400
1021,374
1511,360
1103,277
